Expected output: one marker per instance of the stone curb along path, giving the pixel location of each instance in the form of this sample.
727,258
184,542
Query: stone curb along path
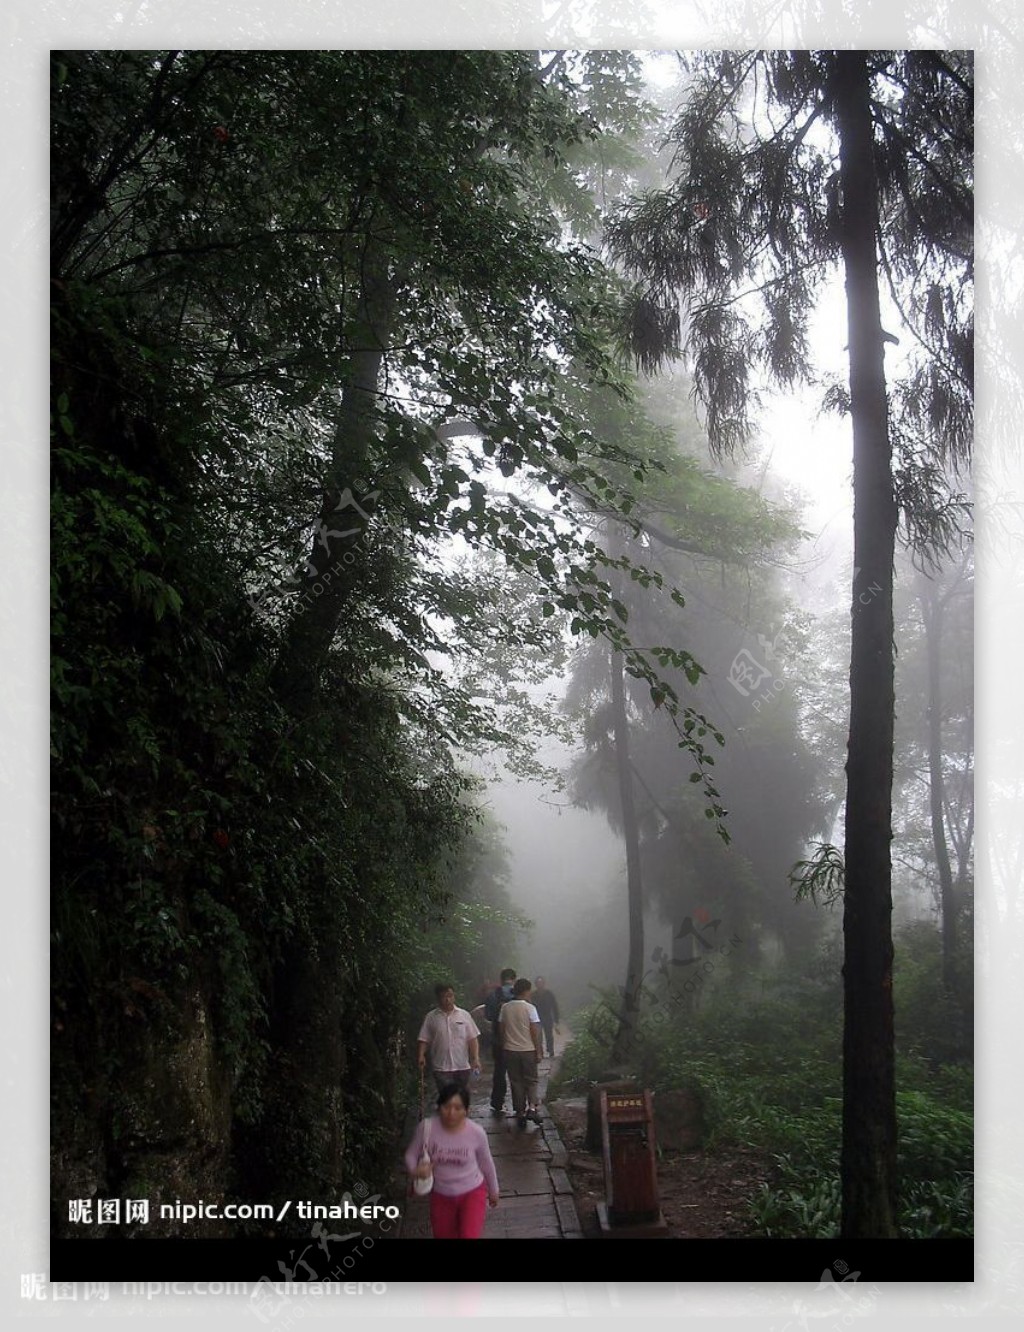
536,1195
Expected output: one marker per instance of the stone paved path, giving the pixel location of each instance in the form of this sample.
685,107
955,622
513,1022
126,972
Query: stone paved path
536,1196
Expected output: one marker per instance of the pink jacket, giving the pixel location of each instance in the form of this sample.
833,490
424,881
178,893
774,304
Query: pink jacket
461,1160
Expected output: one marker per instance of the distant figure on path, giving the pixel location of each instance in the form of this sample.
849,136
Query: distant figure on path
492,1009
465,1179
520,1033
547,1006
452,1037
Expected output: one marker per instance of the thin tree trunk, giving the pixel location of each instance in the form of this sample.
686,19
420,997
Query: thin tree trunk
868,1158
931,609
622,1046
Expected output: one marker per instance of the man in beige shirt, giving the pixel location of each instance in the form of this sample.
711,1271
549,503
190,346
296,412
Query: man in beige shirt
521,1040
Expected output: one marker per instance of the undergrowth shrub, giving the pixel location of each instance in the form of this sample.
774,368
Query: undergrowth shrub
770,1075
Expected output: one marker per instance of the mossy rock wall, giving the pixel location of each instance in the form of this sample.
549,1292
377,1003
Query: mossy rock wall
148,1120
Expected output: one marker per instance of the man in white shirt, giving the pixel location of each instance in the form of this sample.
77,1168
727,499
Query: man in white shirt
453,1039
520,1032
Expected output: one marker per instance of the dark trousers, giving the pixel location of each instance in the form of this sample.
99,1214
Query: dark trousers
460,1077
499,1085
522,1074
547,1026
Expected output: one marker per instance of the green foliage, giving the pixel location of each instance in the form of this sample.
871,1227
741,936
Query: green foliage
767,1068
935,1163
236,234
820,878
475,931
787,162
931,1022
714,541
197,843
289,208
793,1208
742,202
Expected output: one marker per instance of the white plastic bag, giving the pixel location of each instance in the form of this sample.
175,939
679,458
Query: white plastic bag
423,1186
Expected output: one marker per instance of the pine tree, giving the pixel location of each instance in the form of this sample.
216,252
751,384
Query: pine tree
788,164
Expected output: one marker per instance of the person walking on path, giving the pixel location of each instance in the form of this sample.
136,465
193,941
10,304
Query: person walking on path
460,1160
546,1004
452,1037
520,1035
499,996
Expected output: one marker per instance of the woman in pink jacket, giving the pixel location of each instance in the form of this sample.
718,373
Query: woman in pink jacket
465,1179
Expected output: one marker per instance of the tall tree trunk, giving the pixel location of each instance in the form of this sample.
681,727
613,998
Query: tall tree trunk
868,1158
931,611
327,582
622,1046
308,1006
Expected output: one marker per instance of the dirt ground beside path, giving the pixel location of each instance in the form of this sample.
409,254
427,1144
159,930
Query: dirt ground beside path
703,1195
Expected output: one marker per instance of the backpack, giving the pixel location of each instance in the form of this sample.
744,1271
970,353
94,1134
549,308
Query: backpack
493,1004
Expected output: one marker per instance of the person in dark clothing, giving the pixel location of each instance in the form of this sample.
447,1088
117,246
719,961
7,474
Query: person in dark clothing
546,1004
492,1009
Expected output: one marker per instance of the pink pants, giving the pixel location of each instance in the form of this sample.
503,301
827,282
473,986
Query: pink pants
460,1216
